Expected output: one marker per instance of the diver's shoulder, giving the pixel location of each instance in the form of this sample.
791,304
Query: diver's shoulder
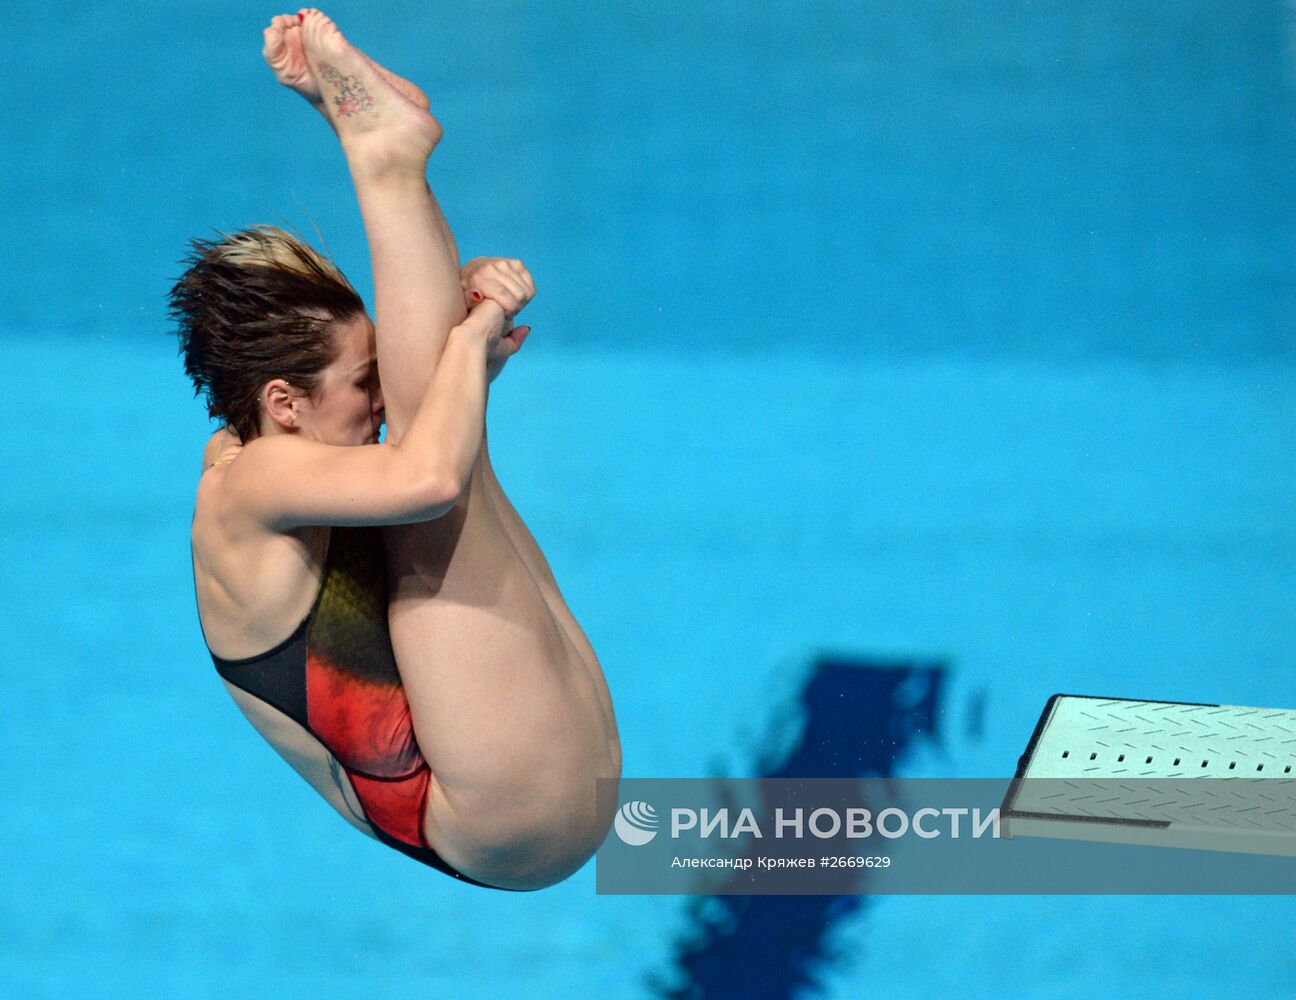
217,445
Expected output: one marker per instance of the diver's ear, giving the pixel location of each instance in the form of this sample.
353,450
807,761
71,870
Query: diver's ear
281,403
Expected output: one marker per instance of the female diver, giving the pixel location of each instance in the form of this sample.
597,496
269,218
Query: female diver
379,611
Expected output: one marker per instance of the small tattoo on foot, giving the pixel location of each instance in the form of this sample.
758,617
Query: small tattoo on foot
352,98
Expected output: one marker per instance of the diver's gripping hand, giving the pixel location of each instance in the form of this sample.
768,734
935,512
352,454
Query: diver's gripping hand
487,321
503,279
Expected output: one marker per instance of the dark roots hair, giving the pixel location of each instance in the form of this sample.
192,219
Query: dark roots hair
255,306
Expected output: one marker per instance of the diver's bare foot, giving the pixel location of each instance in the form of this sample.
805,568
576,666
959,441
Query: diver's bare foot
412,92
373,120
286,56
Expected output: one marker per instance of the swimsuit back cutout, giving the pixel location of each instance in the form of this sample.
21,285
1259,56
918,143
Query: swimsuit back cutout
336,677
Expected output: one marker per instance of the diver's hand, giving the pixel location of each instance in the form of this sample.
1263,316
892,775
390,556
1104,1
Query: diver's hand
487,321
507,283
501,279
504,348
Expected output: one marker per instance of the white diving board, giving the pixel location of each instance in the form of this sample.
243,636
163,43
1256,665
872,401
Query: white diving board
1170,774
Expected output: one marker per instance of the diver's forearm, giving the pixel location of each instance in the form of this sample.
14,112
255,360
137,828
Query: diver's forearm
446,435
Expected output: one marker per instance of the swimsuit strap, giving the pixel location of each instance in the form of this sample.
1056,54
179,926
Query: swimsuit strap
221,461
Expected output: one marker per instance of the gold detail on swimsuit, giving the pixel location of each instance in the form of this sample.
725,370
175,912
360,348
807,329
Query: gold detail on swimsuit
221,461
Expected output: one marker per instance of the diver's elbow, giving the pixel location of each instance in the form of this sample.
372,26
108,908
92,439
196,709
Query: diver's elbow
438,494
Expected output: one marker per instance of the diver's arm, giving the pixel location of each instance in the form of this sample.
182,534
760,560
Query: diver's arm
284,481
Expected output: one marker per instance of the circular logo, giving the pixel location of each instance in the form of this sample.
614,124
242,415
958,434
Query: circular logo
636,823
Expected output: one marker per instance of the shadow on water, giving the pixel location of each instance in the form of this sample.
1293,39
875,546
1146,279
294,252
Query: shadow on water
860,718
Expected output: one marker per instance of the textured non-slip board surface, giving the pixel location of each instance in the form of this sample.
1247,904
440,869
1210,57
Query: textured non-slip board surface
1215,777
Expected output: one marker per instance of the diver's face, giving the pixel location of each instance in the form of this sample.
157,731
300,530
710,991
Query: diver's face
347,408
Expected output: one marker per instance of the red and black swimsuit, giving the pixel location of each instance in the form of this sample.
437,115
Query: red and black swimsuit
336,677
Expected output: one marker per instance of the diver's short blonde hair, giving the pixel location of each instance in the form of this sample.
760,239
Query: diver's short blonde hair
270,246
253,306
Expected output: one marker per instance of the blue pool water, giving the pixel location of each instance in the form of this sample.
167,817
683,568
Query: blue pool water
909,332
